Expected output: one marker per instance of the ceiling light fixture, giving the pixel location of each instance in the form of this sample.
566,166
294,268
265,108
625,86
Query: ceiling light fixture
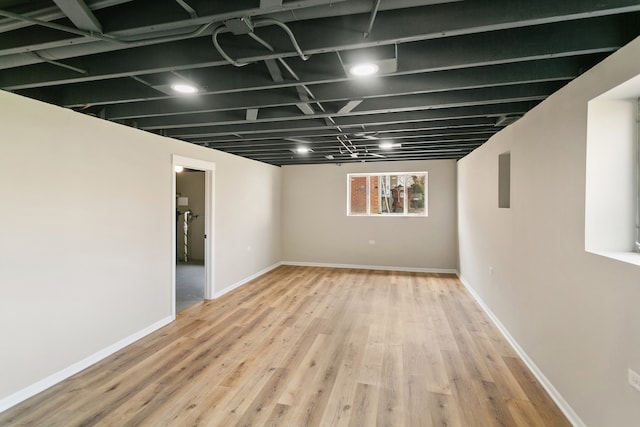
389,145
178,169
184,88
303,150
363,70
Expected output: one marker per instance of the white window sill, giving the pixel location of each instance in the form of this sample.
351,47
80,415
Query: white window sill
628,257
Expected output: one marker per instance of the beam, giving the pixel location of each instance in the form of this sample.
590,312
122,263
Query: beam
407,144
320,37
470,51
270,4
306,108
561,69
349,106
53,13
350,123
274,70
431,130
391,104
81,16
478,122
147,35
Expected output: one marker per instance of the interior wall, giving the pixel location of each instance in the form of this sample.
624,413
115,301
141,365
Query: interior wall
191,184
316,228
86,251
573,312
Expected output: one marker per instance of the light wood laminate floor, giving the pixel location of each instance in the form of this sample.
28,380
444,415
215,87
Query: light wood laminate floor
305,346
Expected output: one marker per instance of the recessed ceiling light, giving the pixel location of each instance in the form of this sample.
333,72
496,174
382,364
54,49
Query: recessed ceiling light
365,69
389,145
184,88
179,169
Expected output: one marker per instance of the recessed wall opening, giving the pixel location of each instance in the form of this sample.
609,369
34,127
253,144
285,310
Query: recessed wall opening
611,199
504,180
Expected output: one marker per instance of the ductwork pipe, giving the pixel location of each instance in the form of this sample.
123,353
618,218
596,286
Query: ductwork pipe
257,23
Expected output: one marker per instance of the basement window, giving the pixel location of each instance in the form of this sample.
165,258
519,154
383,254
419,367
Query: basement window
387,194
612,198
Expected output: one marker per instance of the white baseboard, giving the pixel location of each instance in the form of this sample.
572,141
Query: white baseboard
371,267
245,280
317,264
59,376
566,409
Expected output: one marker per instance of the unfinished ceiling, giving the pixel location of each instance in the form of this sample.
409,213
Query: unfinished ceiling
273,78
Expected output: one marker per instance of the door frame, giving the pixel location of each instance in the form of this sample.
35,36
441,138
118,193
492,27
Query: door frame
209,170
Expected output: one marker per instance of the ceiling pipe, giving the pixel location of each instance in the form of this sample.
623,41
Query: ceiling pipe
257,23
284,64
304,10
59,64
292,37
191,11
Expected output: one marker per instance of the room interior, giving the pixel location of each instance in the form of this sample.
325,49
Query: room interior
533,208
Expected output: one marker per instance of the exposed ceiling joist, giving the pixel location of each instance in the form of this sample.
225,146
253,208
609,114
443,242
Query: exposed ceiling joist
53,13
274,70
306,108
570,39
349,106
81,16
461,70
264,4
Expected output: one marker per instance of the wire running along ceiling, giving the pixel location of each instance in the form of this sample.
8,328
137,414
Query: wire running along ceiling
272,76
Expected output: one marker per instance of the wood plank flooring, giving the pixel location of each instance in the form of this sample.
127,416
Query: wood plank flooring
304,346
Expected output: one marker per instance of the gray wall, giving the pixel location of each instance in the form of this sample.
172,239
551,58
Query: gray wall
191,184
573,312
86,248
317,229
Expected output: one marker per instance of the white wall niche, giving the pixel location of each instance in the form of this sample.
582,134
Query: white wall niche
611,173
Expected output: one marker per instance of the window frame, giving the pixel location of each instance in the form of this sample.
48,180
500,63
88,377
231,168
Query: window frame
405,213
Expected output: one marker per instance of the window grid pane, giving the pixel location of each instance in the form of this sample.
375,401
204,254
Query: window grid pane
374,195
417,195
402,194
358,195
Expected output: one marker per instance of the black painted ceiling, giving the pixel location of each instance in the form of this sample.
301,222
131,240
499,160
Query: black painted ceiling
451,73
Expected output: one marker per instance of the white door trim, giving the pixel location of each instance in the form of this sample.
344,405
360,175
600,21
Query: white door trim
209,169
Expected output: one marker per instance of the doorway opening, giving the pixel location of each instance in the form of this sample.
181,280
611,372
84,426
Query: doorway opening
193,260
189,237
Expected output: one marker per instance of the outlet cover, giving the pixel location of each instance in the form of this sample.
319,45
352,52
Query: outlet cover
634,379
